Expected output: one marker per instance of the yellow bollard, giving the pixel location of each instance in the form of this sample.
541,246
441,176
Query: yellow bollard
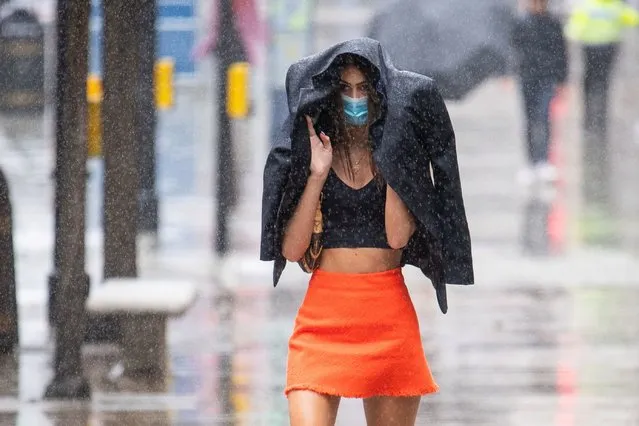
237,99
164,71
94,119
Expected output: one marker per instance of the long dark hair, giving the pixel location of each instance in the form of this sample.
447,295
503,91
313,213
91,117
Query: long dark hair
340,138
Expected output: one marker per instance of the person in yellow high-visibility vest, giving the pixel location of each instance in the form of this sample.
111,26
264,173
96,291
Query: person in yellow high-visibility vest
598,26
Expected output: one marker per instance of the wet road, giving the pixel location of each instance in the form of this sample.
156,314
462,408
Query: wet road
516,354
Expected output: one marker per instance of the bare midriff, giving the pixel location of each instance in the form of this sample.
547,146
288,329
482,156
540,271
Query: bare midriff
359,260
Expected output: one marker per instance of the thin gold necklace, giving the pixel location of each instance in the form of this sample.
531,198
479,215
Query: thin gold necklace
356,165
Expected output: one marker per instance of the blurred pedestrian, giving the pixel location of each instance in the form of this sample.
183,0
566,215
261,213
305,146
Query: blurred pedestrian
598,26
248,25
540,49
349,196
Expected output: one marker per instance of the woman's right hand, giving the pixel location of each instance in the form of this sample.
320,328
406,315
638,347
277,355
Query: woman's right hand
321,151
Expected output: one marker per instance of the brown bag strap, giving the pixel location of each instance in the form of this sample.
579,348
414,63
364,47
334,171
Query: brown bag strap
318,226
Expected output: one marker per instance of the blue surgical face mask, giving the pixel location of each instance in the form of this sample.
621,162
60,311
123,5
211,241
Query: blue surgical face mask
355,110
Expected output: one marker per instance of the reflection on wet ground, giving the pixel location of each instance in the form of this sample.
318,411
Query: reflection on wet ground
507,355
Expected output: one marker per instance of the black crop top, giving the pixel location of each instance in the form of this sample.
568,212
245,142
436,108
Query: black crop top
353,218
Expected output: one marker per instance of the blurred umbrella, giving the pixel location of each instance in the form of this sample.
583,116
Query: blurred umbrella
459,43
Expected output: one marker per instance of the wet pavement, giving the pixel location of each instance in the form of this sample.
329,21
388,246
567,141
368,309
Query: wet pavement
544,340
516,354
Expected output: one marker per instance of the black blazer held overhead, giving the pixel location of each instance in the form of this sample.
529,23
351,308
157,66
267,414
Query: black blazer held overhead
414,134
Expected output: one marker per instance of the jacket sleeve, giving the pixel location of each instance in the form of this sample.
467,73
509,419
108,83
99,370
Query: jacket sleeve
515,38
561,52
516,34
577,24
629,16
275,179
450,210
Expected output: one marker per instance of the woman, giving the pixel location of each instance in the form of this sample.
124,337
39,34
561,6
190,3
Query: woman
359,143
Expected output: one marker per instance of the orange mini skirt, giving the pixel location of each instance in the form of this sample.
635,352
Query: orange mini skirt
357,336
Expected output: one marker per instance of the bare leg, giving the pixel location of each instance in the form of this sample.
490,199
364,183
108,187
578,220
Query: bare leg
307,408
391,411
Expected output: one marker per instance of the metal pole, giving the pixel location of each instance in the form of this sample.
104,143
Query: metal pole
121,71
229,50
72,286
120,152
8,301
59,160
147,118
62,42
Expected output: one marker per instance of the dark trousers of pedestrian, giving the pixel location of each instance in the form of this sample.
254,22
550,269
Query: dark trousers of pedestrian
597,77
599,64
537,95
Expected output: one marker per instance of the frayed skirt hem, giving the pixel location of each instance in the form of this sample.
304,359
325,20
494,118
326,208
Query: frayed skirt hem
370,394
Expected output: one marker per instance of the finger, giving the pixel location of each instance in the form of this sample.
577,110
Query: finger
311,128
325,140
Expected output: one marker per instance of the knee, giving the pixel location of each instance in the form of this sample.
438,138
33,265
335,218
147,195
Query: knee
308,408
